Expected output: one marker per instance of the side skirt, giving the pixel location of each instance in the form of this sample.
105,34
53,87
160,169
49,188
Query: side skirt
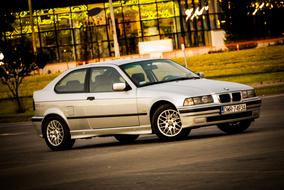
134,130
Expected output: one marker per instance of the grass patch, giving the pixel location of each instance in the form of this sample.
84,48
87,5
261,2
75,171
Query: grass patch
255,80
9,107
29,85
7,114
246,66
269,90
251,61
262,68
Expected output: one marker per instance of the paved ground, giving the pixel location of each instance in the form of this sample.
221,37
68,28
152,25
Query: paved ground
208,159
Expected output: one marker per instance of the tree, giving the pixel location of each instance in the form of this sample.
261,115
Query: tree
42,58
19,60
18,57
18,63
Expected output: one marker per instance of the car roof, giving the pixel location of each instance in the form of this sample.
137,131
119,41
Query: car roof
117,62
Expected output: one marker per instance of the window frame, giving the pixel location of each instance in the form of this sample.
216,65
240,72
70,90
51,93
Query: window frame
86,82
151,74
128,87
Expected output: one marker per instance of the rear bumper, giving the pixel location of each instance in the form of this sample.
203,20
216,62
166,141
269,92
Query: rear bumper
37,121
211,115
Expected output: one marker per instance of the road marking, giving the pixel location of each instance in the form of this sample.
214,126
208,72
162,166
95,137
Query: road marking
21,124
12,134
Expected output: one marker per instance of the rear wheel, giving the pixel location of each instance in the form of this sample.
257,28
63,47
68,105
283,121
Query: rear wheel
126,139
56,134
167,123
235,127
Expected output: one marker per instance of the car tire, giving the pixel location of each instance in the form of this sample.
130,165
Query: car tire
235,127
167,124
57,134
126,139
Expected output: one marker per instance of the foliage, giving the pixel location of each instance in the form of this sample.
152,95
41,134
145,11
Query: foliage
19,59
18,62
42,58
251,66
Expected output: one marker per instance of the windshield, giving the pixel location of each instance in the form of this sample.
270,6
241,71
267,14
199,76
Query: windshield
156,71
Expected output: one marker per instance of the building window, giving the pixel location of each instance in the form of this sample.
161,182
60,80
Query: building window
72,34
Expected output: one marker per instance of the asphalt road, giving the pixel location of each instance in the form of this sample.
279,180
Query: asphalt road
207,159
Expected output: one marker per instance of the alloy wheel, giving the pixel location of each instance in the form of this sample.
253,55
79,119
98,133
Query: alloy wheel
169,123
55,132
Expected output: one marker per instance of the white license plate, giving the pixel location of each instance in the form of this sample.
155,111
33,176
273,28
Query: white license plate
233,108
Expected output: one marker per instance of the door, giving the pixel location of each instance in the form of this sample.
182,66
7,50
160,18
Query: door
106,108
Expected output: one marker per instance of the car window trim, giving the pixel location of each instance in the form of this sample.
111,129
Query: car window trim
153,83
72,92
121,68
128,87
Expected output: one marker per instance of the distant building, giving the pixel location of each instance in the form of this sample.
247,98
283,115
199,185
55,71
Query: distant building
75,32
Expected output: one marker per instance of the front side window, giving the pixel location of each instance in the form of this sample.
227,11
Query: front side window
103,78
136,73
73,82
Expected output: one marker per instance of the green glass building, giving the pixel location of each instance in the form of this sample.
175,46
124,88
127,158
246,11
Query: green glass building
82,30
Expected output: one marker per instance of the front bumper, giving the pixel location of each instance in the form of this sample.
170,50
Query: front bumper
200,116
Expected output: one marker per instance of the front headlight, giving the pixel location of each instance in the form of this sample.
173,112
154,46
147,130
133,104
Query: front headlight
248,93
198,100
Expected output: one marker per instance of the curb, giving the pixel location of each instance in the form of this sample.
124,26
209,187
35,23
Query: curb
272,96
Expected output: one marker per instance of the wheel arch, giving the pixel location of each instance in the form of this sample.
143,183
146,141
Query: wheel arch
62,139
159,108
53,113
156,105
47,117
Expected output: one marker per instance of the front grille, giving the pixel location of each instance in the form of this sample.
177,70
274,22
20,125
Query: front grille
230,97
224,98
236,96
230,116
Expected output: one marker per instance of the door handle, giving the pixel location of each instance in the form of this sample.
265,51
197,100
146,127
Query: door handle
91,98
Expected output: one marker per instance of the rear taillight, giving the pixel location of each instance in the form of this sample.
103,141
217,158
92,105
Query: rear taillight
33,105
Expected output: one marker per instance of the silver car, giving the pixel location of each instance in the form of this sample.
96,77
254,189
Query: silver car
128,98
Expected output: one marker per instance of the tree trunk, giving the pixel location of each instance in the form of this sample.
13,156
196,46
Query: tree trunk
20,108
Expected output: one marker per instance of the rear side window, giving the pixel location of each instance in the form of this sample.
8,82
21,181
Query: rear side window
73,82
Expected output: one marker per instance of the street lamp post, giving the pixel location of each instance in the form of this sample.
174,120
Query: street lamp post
92,13
32,26
115,41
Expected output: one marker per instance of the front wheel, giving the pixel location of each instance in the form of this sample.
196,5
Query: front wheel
167,123
57,135
126,139
235,127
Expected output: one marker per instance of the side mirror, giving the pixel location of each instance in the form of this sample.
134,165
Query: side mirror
201,75
119,86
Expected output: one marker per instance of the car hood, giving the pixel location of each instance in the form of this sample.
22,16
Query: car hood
196,87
